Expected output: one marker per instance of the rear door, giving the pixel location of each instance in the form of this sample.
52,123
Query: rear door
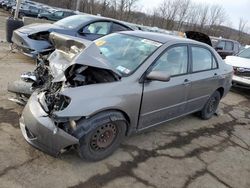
163,101
204,77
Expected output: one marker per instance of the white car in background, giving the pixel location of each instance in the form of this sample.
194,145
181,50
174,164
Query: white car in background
241,66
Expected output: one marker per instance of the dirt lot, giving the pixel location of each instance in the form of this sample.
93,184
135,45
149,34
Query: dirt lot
187,152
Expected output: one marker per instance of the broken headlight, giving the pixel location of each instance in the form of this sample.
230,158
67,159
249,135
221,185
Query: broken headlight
56,102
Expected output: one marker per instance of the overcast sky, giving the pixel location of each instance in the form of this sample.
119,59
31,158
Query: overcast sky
235,9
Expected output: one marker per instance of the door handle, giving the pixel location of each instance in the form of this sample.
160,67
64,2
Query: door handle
215,75
186,82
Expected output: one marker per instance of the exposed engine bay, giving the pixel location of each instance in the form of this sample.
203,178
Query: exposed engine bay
54,71
76,76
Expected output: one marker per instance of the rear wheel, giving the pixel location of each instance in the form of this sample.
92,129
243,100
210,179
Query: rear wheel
103,140
211,106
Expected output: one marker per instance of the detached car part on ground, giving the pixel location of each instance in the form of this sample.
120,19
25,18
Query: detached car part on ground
241,66
123,83
34,39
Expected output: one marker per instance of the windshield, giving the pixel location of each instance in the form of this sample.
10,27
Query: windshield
245,53
72,22
126,53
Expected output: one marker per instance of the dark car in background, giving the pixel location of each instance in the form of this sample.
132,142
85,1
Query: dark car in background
57,15
31,10
225,47
34,39
8,4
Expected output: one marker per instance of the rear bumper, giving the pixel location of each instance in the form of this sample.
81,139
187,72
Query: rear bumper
40,130
28,46
240,81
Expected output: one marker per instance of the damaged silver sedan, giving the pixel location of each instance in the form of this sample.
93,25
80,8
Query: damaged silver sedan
99,93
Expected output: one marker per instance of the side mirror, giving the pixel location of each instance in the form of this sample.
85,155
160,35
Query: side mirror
158,76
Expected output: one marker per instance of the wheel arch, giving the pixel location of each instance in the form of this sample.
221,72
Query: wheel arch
221,90
85,123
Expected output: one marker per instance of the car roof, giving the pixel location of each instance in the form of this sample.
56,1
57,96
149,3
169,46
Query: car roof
90,17
159,37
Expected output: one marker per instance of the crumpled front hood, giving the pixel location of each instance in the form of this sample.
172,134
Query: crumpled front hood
72,50
237,61
36,28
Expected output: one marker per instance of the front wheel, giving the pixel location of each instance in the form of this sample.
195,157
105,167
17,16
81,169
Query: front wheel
104,139
211,106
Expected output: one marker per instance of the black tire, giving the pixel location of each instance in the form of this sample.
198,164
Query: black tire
211,106
102,140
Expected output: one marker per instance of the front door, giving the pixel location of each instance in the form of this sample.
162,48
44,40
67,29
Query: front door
163,101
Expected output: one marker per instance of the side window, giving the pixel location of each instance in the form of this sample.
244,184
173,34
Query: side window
117,27
174,61
68,13
202,59
58,13
221,45
34,10
229,46
99,28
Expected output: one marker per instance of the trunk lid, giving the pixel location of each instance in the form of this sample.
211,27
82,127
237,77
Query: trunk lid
198,36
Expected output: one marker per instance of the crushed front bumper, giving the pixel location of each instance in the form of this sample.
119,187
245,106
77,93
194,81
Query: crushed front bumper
241,81
40,130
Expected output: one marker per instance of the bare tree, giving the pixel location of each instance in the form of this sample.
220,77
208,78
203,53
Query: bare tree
241,28
183,13
217,15
168,12
203,16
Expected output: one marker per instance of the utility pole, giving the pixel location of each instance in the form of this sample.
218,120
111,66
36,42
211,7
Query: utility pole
78,5
18,4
